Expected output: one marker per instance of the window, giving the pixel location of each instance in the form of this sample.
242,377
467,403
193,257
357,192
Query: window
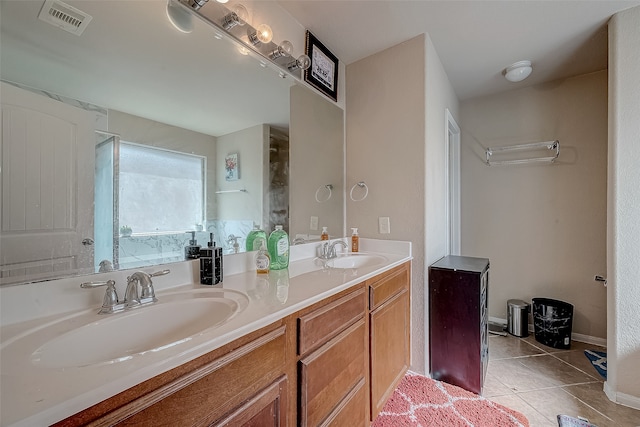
160,191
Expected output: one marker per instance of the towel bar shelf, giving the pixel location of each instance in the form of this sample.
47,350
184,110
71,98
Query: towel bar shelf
548,145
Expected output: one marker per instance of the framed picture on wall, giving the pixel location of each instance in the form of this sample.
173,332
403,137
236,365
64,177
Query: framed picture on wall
323,72
231,167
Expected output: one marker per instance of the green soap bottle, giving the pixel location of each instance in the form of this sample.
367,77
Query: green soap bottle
278,246
255,239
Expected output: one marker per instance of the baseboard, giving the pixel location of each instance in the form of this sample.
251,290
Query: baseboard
602,342
497,320
621,398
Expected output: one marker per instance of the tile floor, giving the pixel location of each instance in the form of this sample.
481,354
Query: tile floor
542,382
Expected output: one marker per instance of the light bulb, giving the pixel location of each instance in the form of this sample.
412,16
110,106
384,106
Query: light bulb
303,62
238,16
262,34
284,49
179,17
265,34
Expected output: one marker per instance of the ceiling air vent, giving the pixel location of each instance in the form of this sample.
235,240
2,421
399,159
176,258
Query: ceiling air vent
64,16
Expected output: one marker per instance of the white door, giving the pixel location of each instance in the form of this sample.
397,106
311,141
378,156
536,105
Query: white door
47,152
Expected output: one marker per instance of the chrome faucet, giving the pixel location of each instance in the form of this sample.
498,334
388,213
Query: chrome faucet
132,297
328,250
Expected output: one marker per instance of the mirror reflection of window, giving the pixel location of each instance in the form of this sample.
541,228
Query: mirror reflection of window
160,191
146,198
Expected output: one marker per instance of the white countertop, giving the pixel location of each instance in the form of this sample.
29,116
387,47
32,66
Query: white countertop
36,395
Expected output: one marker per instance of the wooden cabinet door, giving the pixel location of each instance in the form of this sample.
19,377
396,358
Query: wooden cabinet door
390,335
265,409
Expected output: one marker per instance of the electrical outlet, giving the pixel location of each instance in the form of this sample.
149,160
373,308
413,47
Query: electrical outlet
313,224
384,225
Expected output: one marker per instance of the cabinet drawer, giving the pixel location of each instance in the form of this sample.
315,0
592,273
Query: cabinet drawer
383,288
329,374
199,397
324,323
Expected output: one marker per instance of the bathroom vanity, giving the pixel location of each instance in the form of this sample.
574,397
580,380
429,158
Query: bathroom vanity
328,349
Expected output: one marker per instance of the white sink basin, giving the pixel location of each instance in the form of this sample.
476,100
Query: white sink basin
114,338
357,260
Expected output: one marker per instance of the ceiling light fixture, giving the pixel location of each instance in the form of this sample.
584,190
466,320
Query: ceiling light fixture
518,71
179,17
237,16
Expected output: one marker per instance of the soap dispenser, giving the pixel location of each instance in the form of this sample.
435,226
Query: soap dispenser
325,234
355,240
255,239
207,263
192,250
217,261
278,246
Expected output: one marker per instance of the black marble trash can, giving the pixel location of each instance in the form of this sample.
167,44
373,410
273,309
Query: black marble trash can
552,322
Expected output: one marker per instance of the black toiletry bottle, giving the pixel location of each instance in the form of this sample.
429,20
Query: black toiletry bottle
217,263
192,250
211,263
206,263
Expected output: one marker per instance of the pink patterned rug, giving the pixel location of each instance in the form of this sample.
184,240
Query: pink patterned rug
419,401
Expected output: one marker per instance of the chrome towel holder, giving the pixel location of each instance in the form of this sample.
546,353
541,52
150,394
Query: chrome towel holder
360,184
328,187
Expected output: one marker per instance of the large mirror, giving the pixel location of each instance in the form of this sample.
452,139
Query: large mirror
123,143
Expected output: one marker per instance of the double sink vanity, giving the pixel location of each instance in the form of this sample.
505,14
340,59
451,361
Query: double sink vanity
324,342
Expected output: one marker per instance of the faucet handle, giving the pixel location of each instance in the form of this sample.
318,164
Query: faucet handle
160,273
110,303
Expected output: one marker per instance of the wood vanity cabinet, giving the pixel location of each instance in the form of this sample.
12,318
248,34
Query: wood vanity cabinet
334,363
390,323
244,384
332,344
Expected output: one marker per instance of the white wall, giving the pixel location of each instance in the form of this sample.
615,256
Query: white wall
439,97
252,147
395,144
623,226
543,227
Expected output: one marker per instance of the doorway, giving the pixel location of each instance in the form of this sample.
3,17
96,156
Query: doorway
453,183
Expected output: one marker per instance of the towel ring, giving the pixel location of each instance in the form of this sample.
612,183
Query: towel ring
360,184
328,187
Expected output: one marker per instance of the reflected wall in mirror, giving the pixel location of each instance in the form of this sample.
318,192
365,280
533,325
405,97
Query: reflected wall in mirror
114,143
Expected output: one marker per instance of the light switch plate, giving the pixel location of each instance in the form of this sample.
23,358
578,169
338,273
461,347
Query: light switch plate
313,224
384,225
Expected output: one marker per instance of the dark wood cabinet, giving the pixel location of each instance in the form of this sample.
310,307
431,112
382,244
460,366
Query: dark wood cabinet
458,328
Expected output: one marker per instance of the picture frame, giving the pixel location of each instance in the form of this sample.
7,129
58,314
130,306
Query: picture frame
323,72
231,167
